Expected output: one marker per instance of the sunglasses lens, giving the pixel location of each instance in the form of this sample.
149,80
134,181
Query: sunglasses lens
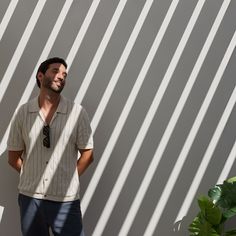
46,140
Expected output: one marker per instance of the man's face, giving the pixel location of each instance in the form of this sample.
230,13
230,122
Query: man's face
54,78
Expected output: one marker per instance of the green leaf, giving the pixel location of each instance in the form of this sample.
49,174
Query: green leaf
200,227
215,193
230,212
224,194
231,180
210,211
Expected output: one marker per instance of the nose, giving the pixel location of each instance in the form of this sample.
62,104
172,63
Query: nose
60,76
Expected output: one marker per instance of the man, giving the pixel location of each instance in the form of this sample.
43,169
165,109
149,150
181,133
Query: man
50,144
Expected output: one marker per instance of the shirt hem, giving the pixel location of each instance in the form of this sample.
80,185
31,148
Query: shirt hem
50,197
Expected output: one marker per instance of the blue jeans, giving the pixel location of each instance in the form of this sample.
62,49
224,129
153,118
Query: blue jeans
37,216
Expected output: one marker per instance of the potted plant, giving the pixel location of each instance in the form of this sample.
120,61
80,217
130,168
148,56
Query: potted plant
215,210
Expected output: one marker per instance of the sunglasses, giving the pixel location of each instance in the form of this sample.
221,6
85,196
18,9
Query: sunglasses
46,132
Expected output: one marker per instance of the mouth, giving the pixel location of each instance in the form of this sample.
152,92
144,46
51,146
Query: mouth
59,84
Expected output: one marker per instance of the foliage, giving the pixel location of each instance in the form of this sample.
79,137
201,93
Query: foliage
215,210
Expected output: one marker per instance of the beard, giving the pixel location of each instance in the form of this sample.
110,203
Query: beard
54,86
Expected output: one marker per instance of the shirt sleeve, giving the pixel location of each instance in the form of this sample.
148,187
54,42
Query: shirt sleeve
15,140
84,132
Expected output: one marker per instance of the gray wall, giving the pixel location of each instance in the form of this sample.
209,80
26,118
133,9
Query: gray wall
157,78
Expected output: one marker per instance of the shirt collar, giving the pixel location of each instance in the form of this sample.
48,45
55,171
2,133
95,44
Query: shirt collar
62,106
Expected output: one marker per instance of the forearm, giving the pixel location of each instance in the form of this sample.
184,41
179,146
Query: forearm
16,165
84,161
14,160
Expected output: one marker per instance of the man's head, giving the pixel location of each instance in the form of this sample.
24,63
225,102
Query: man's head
52,73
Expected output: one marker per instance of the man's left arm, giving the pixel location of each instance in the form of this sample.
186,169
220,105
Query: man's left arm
86,158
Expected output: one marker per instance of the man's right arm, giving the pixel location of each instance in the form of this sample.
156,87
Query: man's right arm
15,160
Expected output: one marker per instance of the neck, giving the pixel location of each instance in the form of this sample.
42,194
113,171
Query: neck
48,100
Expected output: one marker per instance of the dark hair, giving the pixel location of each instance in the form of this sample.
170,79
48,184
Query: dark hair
45,65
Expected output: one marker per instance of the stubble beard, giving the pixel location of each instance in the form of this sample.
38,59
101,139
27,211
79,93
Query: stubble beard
49,84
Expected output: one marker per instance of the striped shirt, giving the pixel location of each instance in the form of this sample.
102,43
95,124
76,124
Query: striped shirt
50,173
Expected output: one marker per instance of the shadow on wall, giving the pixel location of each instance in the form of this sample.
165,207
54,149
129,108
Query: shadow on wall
8,198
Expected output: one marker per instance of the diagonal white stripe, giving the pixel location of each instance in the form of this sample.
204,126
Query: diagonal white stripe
143,188
192,134
1,212
228,165
7,17
30,86
106,213
207,157
115,134
119,68
99,53
80,36
20,48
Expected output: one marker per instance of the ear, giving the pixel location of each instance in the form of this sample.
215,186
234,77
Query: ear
40,76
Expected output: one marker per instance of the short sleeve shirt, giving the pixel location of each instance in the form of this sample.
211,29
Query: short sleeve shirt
50,173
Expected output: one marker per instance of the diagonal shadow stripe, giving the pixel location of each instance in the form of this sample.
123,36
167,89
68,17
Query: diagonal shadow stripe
191,136
207,156
20,48
115,134
228,165
120,66
100,51
80,36
7,17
